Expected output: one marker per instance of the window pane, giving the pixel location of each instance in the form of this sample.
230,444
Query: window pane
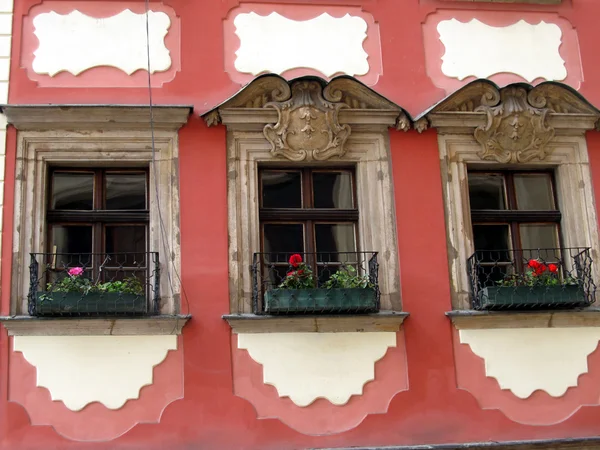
539,236
333,190
71,239
125,238
72,191
486,191
281,189
126,191
491,237
534,191
335,237
288,238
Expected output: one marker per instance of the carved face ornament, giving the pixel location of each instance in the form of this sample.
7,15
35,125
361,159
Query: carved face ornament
307,126
515,131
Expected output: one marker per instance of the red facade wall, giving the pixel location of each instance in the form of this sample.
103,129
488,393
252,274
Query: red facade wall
433,410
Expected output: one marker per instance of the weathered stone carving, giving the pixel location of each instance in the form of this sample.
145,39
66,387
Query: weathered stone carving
515,131
308,126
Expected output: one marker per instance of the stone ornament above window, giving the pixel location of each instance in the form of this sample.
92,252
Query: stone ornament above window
298,134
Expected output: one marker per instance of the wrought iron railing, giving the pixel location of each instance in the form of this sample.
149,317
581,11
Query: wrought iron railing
94,284
315,283
551,278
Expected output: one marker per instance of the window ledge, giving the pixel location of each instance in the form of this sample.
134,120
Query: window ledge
469,319
253,323
94,326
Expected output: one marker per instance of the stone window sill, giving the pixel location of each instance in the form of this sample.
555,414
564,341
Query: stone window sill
94,326
252,323
469,319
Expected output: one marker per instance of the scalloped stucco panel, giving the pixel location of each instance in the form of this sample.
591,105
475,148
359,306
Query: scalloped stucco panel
79,370
307,366
525,360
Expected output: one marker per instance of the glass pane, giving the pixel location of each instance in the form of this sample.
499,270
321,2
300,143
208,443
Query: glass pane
126,191
72,191
281,189
534,191
288,238
539,236
489,240
333,238
333,190
125,238
486,191
71,239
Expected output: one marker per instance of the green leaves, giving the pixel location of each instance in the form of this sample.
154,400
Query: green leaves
348,278
129,285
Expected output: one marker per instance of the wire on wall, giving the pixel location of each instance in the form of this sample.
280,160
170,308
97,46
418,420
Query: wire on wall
161,221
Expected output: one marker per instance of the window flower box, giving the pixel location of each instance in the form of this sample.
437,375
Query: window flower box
544,297
315,283
294,301
555,278
74,303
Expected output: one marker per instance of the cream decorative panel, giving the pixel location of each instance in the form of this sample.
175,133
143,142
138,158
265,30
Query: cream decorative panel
275,44
524,360
75,42
79,370
480,50
307,366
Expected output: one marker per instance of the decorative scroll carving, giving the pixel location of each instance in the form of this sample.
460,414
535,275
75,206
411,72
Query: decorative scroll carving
322,100
515,131
308,126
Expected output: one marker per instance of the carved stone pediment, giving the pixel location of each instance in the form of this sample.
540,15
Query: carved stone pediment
515,131
308,126
308,113
513,124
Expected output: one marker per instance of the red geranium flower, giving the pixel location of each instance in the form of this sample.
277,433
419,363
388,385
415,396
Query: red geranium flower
295,259
552,268
533,263
540,269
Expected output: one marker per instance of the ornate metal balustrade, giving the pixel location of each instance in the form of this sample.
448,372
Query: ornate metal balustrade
550,278
94,284
315,283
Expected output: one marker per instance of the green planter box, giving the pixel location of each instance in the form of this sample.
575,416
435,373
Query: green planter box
74,303
298,301
529,297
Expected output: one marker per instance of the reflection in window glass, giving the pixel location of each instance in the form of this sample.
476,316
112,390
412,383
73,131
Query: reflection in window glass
71,239
73,191
539,236
534,192
333,190
125,238
335,237
288,238
126,191
281,189
486,191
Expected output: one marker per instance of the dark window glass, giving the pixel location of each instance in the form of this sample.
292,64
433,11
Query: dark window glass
124,238
73,191
491,237
281,189
333,190
126,191
287,238
486,191
72,238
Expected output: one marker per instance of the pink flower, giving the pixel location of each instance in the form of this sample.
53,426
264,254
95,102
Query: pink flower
75,271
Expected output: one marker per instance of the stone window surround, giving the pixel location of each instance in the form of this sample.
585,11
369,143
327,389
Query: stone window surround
460,146
88,136
367,148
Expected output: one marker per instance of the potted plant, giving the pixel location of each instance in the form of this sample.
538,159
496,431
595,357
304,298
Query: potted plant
540,286
77,294
345,291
